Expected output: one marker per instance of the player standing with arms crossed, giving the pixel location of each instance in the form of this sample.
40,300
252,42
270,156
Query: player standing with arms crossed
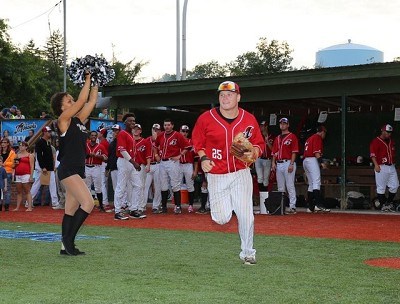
71,171
171,146
284,152
382,152
230,183
313,148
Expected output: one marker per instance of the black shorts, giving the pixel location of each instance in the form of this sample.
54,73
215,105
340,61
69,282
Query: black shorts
67,171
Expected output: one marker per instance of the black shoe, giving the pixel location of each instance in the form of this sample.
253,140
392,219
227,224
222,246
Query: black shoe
6,207
136,215
76,251
102,209
163,210
69,247
120,216
202,211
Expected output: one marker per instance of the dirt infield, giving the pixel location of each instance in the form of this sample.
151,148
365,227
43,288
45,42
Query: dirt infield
369,227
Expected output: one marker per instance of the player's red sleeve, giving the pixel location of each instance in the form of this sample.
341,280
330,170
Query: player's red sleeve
372,149
295,147
121,142
148,148
275,146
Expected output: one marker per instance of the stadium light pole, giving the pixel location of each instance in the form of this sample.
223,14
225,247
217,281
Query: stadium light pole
184,40
65,45
178,42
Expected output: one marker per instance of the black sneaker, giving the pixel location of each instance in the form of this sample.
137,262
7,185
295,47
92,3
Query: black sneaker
201,211
120,216
136,215
155,211
177,210
163,210
76,252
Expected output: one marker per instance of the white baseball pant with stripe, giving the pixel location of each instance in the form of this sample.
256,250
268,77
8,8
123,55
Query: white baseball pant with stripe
93,176
187,171
386,178
171,169
313,173
124,183
153,175
138,180
284,179
233,192
263,170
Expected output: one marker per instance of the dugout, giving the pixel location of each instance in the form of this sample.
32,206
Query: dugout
357,100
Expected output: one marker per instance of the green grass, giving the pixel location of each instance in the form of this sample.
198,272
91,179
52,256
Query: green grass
157,266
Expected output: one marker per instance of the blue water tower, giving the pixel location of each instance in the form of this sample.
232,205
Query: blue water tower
347,54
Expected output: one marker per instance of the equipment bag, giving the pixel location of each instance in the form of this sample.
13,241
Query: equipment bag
276,203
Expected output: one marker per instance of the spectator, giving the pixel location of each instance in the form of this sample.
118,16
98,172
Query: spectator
31,132
6,134
45,115
8,113
3,183
18,115
104,114
23,165
8,155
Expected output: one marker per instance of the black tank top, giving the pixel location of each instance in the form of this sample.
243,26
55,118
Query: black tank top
73,144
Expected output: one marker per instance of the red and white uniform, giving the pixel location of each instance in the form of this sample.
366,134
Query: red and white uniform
170,145
313,145
282,149
230,184
93,165
263,163
384,152
142,155
153,176
187,162
126,171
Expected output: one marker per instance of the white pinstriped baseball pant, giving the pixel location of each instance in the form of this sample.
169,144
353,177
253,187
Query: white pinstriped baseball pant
233,192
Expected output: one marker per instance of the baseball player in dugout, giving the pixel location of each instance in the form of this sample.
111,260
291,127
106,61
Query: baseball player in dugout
284,152
312,162
171,145
189,168
228,140
382,153
263,163
95,155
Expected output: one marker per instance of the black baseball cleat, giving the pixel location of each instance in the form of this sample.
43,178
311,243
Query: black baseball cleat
76,251
69,247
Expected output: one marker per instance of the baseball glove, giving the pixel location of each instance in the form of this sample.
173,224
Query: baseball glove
243,149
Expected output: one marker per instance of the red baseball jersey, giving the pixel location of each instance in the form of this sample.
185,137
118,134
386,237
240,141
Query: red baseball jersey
189,155
170,145
143,151
97,149
213,134
267,151
383,151
125,142
284,145
105,143
313,144
152,143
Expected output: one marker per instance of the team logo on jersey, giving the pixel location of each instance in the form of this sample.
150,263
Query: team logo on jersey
287,142
173,142
142,148
248,132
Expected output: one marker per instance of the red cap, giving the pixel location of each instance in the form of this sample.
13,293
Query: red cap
46,129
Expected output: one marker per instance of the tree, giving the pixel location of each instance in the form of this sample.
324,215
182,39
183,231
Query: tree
125,73
268,58
211,69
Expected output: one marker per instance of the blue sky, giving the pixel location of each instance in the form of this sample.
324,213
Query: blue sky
145,30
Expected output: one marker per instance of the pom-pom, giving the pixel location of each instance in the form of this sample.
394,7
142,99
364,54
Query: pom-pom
97,66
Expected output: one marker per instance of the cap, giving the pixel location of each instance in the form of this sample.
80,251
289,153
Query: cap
116,127
14,107
185,127
103,132
156,126
229,86
138,126
284,120
46,129
387,128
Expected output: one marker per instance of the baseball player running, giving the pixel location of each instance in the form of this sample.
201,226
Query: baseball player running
284,151
313,149
230,183
382,152
171,146
95,155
